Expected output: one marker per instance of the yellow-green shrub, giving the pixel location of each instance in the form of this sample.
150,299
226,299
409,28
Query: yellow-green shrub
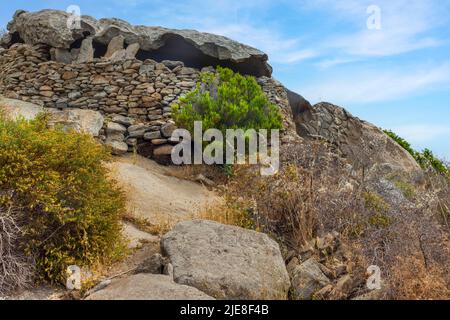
58,178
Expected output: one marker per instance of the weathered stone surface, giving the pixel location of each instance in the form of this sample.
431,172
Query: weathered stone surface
172,64
117,147
119,55
14,109
363,144
307,278
152,135
226,262
279,96
116,44
168,129
86,53
114,127
137,130
62,55
140,176
132,50
51,27
88,121
68,75
148,287
126,121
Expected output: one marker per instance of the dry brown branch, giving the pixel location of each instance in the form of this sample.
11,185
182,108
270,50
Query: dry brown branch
16,270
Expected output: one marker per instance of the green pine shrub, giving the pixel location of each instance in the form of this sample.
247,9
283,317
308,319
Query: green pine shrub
58,181
226,100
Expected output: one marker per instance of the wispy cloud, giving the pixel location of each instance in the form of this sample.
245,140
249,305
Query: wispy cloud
375,86
279,48
404,26
329,63
422,133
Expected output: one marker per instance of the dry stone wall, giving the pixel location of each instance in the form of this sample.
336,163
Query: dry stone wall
134,96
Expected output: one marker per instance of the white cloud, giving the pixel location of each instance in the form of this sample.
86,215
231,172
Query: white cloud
405,25
421,133
328,63
282,50
296,56
275,45
376,86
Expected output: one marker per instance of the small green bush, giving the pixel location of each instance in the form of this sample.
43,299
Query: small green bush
226,100
59,180
406,188
380,220
379,208
426,159
375,202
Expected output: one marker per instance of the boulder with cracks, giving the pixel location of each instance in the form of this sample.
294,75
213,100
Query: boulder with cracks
61,30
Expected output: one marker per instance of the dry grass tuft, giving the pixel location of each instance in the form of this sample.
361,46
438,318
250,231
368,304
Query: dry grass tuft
412,280
16,270
229,212
157,227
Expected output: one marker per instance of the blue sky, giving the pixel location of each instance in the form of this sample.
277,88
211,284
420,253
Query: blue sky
397,77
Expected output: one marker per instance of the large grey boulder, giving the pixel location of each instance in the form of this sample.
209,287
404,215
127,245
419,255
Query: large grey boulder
81,120
52,27
55,28
363,144
226,262
14,109
147,287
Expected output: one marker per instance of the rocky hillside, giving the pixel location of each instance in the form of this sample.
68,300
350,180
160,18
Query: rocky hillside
347,196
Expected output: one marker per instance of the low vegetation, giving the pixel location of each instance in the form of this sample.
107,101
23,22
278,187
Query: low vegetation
426,159
227,100
61,208
313,194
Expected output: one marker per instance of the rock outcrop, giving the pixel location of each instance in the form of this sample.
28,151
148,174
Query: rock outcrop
148,287
171,199
64,31
226,262
362,143
14,109
87,121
